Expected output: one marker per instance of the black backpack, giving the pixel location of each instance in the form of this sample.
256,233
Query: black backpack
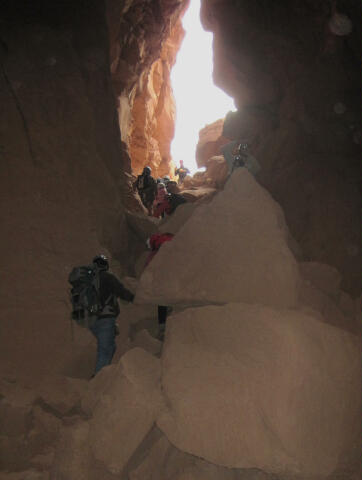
174,200
85,294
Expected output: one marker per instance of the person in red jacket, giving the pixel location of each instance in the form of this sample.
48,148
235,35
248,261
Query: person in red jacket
154,243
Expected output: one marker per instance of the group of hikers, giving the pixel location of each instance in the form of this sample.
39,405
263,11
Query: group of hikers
95,290
160,196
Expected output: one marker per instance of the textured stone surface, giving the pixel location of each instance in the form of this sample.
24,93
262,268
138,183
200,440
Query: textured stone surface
201,193
126,409
210,141
174,222
216,171
154,113
315,299
72,459
61,394
165,461
233,249
60,158
143,49
15,407
27,429
276,59
25,475
145,341
324,277
251,386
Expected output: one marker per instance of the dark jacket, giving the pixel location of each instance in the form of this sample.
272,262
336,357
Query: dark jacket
110,287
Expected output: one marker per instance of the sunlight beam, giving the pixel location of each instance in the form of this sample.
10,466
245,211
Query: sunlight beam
198,101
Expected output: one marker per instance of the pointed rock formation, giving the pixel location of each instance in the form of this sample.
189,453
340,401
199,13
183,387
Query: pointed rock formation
233,249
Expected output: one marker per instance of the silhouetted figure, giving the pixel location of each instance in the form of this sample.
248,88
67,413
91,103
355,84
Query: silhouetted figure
94,298
181,172
237,155
147,188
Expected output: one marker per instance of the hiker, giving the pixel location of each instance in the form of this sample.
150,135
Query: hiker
174,200
170,185
237,155
181,172
94,297
161,204
147,188
166,180
154,243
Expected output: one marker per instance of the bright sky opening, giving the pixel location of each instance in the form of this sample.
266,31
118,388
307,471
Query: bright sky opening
198,101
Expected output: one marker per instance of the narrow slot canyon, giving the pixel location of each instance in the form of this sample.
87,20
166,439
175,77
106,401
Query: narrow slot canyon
256,374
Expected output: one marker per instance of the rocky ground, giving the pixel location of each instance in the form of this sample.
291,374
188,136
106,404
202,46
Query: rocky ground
258,377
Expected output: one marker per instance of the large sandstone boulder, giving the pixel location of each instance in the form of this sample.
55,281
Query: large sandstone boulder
126,410
210,142
150,344
216,171
324,277
164,461
233,249
310,297
73,454
197,194
61,395
174,222
255,387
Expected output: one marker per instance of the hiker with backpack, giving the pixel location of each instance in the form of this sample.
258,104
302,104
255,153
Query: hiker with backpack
166,203
154,243
146,187
170,185
237,155
181,172
94,296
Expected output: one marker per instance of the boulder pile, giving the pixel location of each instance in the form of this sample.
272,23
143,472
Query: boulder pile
258,377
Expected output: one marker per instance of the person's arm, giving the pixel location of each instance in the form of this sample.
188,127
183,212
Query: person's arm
119,290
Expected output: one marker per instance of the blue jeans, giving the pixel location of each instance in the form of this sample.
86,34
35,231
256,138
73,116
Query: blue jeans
105,333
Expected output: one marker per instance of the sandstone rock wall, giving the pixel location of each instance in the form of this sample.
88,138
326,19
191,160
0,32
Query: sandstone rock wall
60,162
210,141
154,113
296,82
144,40
64,71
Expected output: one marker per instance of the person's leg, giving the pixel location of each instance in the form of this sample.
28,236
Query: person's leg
162,317
162,314
104,331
